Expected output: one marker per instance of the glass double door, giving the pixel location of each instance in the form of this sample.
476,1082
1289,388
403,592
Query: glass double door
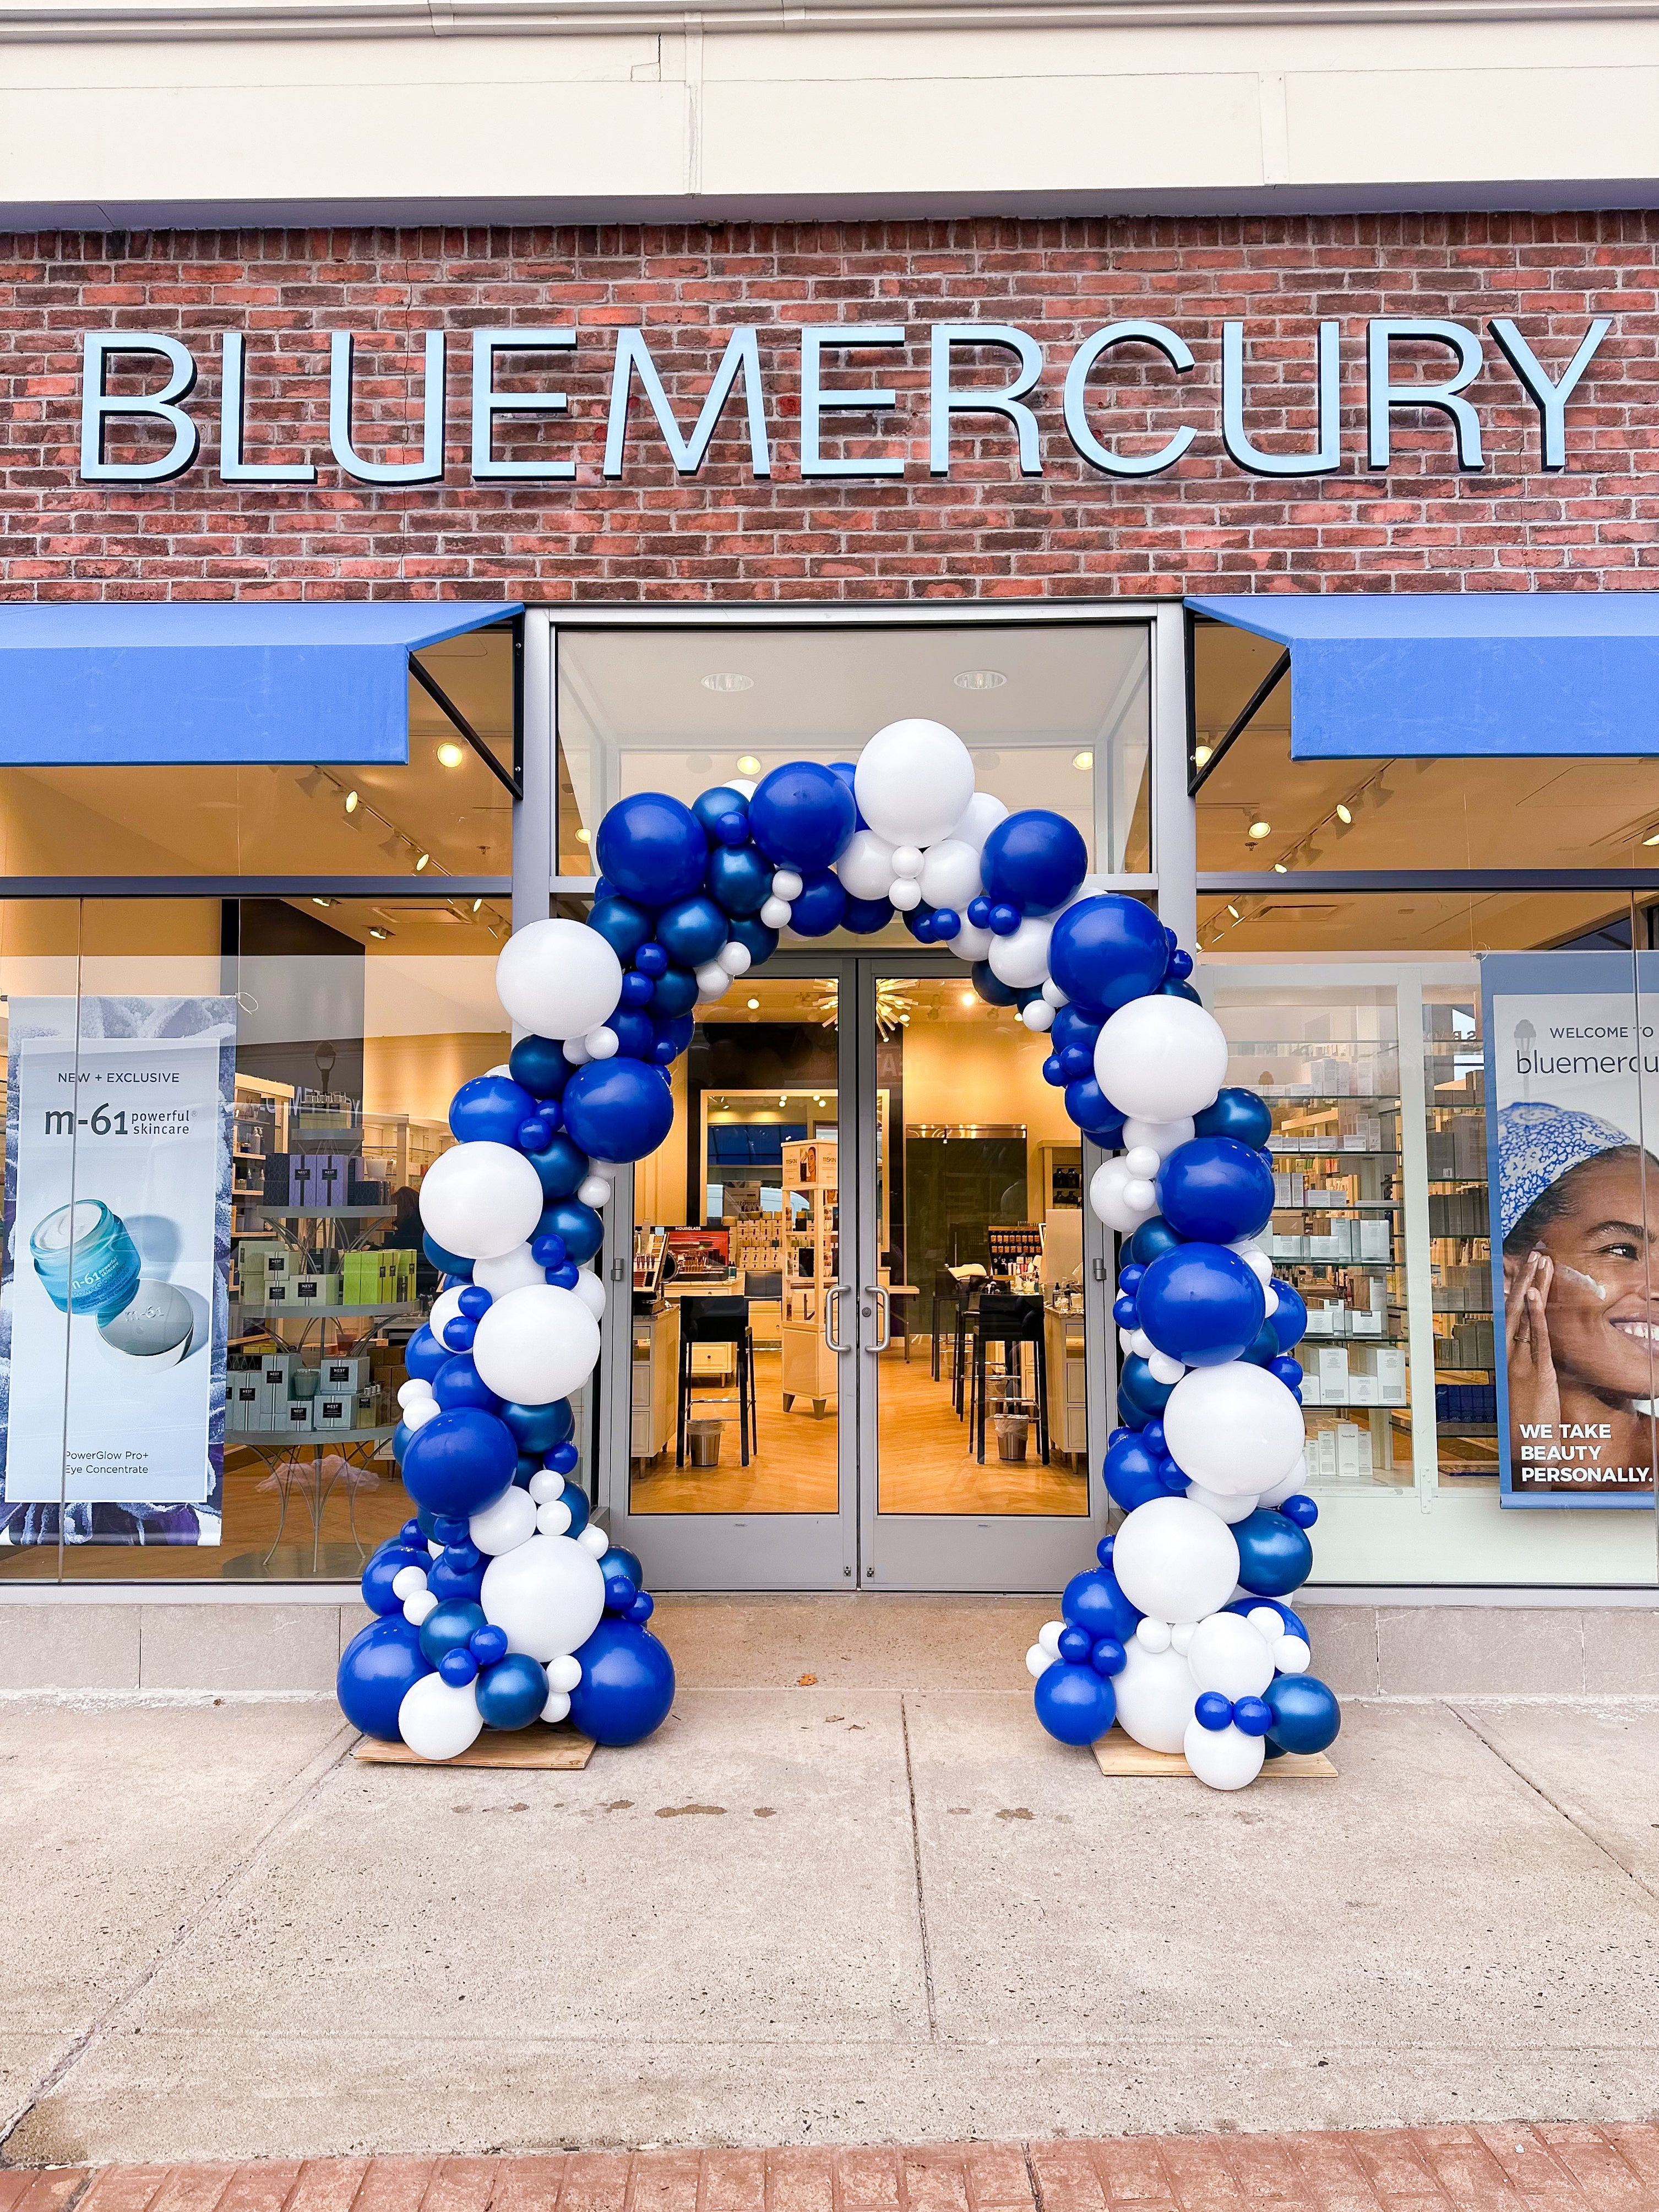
868,1335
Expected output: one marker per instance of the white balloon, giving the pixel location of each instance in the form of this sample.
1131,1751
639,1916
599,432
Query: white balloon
1140,1193
1175,1560
1227,1758
437,1720
594,1539
950,873
546,1485
1154,1697
553,1518
914,782
1054,994
563,1672
978,819
1267,1622
712,981
775,913
1159,1137
1229,1655
744,784
1234,1428
1153,1635
1048,1637
418,1605
1163,1369
1022,961
1037,1661
558,979
480,1200
1291,1654
594,1190
907,861
412,1392
1109,1198
972,943
548,1595
503,1527
557,1707
905,893
1230,1508
734,957
1181,1636
1141,1161
866,866
591,1291
1038,1015
1160,1058
445,1308
510,1271
536,1345
786,883
602,1044
576,1052
1296,1479
408,1582
423,1410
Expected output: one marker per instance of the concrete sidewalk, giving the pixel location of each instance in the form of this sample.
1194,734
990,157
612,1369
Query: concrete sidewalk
804,1916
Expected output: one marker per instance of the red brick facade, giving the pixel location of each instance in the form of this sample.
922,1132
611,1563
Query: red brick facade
985,531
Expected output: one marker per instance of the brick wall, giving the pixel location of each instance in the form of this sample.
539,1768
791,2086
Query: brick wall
985,531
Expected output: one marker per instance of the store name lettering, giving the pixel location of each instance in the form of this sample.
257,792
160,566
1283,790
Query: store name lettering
1391,385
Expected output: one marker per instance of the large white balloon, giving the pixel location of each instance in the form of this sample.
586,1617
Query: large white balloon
1287,1486
1174,1559
536,1345
1155,1697
1160,1137
558,978
512,1270
1159,1059
913,781
480,1200
865,866
1022,961
591,1291
980,817
548,1595
1236,1429
510,1522
1230,1508
1227,1758
950,873
437,1720
1226,1654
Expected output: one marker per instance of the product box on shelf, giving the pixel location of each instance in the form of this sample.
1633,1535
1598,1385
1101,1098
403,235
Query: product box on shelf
349,1374
297,1416
243,1401
276,1368
336,1411
1333,1373
316,1293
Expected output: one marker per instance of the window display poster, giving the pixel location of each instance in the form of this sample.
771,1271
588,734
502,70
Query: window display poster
1571,1108
114,1297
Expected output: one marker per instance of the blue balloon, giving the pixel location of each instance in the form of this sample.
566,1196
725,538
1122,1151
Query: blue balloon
1153,1236
1274,1556
447,1263
617,1109
818,907
1034,860
1290,1317
1130,1471
1243,1114
761,940
1213,1712
848,771
635,1031
489,1109
389,1560
580,1227
512,1693
1263,1347
561,1165
460,1462
1094,1602
456,1576
538,1429
864,917
1216,1190
377,1669
724,814
801,815
447,1627
1201,1303
653,848
676,1033
1075,1029
919,921
1306,1716
1136,1384
1178,988
423,1355
1075,1704
1087,1104
675,995
626,1684
738,878
576,1502
990,986
624,926
457,1382
540,1064
691,931
1106,951
619,1560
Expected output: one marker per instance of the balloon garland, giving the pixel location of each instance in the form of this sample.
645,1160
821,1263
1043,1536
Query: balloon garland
499,1603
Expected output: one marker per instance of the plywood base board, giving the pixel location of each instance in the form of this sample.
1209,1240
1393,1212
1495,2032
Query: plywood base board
1117,1755
560,1749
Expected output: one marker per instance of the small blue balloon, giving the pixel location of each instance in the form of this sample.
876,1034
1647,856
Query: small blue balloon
724,814
459,1334
447,1627
1094,1602
626,1685
1217,1189
378,1669
637,992
540,1064
564,1459
1263,1347
1252,1715
1108,1656
447,1263
460,1462
801,815
1153,1238
978,912
1200,1303
635,1031
389,1561
1171,988
457,1382
818,907
1054,1072
423,1355
653,848
990,986
1076,1646
538,1429
565,1278
1300,1509
575,1501
619,1560
864,916
513,1692
1306,1716
738,878
1131,1472
1087,1104
761,940
677,994
1274,1556
580,1227
458,1666
1034,861
1004,920
947,924
619,1593
616,1110
1076,1066
1074,1030
1290,1317
488,1644
475,1302
651,960
691,931
458,1572
1075,1705
1106,951
919,921
547,1248
1213,1712
1137,1384
489,1109
1287,1371
1242,1114
624,926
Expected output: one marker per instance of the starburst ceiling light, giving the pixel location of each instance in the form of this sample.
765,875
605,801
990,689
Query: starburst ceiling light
892,1008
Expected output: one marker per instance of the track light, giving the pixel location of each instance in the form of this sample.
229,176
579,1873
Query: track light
312,781
422,862
1343,814
351,802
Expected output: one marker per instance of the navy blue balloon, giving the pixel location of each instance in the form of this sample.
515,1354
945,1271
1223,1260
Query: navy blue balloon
1306,1716
1242,1114
447,1627
1087,1104
1175,988
1130,1472
848,771
624,926
1201,1303
691,931
512,1693
447,1263
1216,1190
761,940
1136,1383
801,815
864,917
1290,1317
561,1165
724,814
460,1462
538,1429
1094,1602
580,1227
919,921
489,1111
576,1502
400,1436
818,907
676,1033
1106,951
540,1064
990,986
1130,1416
1274,1556
1075,1704
1034,861
738,878
626,1685
378,1669
423,1355
457,1382
456,1576
1153,1236
1263,1347
1074,1028
653,848
388,1562
675,995
616,1110
619,1560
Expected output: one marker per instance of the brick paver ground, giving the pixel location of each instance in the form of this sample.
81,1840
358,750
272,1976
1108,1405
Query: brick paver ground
1492,2168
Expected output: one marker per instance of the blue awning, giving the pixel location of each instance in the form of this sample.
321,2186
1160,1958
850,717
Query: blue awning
232,681
1375,675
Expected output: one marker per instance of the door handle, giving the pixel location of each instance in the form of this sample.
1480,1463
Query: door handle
831,1313
876,1291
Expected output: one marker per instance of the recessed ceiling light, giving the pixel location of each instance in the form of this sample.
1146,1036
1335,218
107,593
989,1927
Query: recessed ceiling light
449,755
749,765
1233,910
1343,812
583,836
1200,754
754,1005
1083,760
351,802
967,997
1280,868
381,933
1258,830
1652,837
980,679
477,903
728,681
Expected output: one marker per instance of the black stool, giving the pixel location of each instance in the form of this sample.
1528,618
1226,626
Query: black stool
718,1320
948,1293
1012,1322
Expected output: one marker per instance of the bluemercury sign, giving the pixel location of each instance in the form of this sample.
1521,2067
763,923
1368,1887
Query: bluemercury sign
1570,1055
115,1289
1393,381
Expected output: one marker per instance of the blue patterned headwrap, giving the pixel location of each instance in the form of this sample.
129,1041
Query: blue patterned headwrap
1537,1145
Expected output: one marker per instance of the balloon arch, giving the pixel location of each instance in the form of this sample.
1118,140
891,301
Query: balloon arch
498,1604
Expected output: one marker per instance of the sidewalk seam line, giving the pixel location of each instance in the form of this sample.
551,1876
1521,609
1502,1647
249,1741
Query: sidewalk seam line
916,1855
1555,1806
